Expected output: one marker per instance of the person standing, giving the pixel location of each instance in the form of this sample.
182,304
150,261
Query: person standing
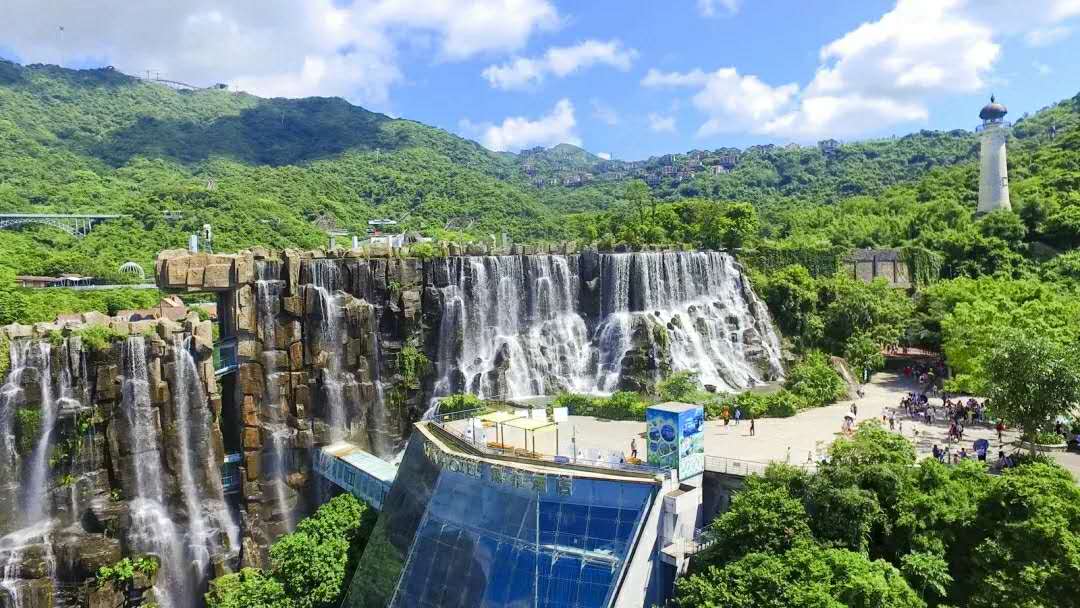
633,448
1000,428
752,426
726,414
738,415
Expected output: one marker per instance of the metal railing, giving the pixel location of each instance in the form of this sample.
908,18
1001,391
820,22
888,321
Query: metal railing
745,468
443,422
225,359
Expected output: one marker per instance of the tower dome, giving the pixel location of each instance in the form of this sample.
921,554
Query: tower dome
993,110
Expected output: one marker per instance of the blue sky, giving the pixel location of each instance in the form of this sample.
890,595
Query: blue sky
629,78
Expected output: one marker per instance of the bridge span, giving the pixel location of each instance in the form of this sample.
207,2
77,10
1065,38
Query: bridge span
364,475
75,224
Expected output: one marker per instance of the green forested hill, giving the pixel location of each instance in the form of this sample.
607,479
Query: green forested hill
277,172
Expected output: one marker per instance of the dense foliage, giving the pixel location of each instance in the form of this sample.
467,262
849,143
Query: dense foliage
872,528
1032,380
309,567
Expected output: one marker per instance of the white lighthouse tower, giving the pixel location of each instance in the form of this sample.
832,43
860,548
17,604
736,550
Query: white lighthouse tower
993,169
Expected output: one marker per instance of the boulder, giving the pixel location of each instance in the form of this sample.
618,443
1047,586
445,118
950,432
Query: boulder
218,276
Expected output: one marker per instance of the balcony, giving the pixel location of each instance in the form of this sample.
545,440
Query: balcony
225,357
230,473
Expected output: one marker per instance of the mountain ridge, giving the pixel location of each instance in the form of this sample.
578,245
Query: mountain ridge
275,172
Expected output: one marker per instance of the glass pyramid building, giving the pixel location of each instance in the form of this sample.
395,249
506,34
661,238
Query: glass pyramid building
462,529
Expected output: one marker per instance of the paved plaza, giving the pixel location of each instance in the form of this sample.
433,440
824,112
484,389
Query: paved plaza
796,439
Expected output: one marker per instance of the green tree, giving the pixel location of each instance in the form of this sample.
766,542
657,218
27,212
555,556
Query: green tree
1032,380
1023,542
762,518
312,562
864,354
249,588
805,575
927,572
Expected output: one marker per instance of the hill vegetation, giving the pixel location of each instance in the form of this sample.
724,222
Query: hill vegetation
279,172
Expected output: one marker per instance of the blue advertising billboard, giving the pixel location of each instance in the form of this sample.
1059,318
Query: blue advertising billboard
675,434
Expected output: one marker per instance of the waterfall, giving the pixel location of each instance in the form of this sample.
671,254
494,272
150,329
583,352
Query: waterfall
200,477
267,292
34,507
511,326
280,437
336,380
11,394
152,529
33,511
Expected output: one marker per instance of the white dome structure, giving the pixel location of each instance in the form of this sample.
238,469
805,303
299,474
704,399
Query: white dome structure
132,269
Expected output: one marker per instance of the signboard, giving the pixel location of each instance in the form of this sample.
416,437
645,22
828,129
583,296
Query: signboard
675,434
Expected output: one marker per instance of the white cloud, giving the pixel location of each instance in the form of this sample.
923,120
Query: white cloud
711,8
881,73
517,132
732,101
1048,36
660,123
604,113
1042,68
604,155
286,47
523,72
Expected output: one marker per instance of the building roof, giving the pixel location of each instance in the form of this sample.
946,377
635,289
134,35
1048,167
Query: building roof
674,406
993,110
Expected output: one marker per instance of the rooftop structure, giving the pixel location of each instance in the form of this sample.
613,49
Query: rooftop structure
462,528
993,111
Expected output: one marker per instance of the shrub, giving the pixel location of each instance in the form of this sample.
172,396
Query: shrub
27,428
425,251
782,405
620,406
462,402
121,575
577,405
680,386
815,380
413,364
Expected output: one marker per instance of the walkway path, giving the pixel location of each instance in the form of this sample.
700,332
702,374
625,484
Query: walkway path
795,439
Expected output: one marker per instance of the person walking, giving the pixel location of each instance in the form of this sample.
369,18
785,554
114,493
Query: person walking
738,415
1000,428
752,430
726,415
633,448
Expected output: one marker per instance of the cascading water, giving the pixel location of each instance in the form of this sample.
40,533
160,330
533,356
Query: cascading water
267,292
512,326
34,507
336,379
152,529
200,480
33,512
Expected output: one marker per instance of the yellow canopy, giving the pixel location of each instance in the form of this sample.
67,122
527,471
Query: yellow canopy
528,424
498,417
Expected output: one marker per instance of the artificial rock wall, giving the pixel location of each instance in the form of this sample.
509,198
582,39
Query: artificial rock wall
109,439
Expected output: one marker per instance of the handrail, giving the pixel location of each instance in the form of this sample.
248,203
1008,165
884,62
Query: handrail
442,420
744,468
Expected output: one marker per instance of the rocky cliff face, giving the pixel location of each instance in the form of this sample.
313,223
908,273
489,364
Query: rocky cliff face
114,436
110,447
